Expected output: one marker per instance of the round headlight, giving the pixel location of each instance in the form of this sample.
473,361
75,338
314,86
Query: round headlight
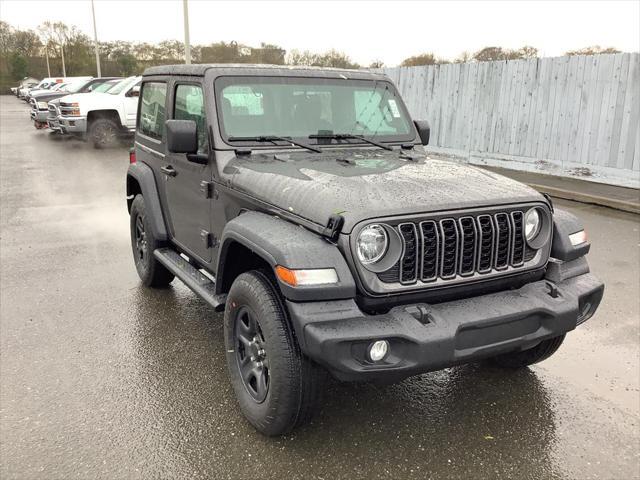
532,223
372,244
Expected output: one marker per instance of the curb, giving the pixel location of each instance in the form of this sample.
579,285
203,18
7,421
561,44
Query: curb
630,207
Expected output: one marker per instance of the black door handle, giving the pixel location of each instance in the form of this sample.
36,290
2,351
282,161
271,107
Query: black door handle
169,170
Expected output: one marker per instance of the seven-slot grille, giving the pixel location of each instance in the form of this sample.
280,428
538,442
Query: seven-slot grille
459,247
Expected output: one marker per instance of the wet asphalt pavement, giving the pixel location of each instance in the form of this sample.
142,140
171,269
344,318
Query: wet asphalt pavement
102,378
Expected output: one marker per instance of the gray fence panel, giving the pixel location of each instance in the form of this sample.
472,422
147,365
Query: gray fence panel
575,116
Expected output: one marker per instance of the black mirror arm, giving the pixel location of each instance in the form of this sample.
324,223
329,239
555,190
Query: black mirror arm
199,158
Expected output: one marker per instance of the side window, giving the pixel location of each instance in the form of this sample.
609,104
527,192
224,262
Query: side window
152,109
189,105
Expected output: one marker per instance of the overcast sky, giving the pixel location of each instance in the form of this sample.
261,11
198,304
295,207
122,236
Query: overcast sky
365,30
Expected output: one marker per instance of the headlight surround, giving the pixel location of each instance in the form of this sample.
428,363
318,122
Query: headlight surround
43,106
372,244
532,224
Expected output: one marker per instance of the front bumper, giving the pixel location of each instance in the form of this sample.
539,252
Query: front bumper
426,337
73,124
54,124
39,116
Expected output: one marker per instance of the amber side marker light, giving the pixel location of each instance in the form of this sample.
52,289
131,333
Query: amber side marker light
578,238
316,276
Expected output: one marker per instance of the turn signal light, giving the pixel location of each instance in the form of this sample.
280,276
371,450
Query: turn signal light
578,238
318,276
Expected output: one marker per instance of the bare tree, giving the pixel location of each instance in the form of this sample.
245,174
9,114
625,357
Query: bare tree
464,57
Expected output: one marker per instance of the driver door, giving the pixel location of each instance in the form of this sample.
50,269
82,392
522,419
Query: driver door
187,184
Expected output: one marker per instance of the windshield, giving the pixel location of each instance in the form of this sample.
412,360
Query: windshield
306,107
103,87
123,85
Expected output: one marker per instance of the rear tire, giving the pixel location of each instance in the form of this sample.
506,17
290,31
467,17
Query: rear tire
103,133
276,386
536,354
143,243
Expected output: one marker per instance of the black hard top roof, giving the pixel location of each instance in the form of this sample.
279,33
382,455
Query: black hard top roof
220,69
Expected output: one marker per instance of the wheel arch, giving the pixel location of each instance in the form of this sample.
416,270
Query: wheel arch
255,240
141,181
108,114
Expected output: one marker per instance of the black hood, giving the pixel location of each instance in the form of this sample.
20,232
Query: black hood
362,184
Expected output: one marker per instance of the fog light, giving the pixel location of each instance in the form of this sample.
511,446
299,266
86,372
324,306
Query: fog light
378,350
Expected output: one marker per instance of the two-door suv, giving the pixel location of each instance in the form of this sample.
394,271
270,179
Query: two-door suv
302,202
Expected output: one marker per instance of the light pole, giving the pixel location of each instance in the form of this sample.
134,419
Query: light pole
95,38
46,52
64,70
187,46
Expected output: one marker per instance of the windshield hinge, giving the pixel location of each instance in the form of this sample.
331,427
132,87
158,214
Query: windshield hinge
334,225
206,188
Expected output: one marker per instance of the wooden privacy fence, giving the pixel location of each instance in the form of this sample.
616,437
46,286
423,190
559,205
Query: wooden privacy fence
575,116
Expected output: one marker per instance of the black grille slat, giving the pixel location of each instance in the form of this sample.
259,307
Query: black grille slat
449,248
409,260
503,241
517,247
468,236
430,250
485,244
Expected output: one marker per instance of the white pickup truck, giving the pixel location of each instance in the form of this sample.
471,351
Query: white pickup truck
102,117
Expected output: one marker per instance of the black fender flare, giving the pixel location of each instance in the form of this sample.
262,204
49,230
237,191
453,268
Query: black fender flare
279,242
142,174
565,224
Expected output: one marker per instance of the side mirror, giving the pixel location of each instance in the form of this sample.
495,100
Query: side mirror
134,92
424,131
182,136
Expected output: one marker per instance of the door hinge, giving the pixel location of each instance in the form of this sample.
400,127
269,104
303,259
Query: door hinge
206,188
208,239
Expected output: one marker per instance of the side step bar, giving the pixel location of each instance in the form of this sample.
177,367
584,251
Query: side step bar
202,285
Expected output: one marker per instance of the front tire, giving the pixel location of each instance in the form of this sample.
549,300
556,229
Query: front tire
276,386
103,133
143,243
536,354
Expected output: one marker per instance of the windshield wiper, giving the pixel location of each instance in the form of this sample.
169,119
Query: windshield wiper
344,136
273,139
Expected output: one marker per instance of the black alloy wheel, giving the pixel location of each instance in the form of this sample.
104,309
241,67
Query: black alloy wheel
251,354
142,247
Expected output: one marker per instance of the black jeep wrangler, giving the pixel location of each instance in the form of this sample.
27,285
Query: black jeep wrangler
302,203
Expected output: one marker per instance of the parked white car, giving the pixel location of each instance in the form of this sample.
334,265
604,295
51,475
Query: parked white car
102,117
